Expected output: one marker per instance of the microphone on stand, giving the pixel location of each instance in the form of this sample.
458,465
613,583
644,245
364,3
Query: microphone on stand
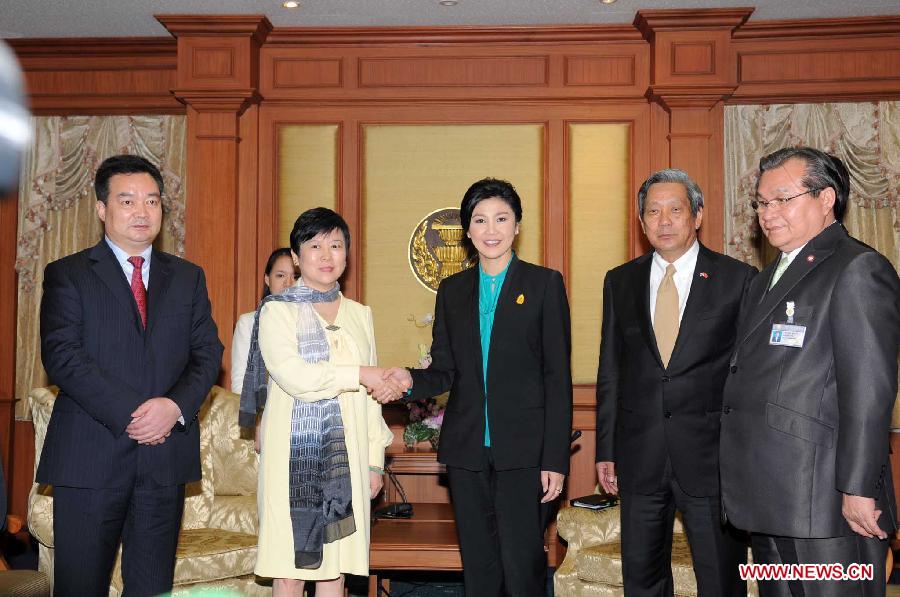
401,510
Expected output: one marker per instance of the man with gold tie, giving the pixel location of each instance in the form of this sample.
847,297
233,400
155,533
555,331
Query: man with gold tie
668,328
813,378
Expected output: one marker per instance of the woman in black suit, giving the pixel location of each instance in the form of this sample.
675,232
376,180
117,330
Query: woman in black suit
501,346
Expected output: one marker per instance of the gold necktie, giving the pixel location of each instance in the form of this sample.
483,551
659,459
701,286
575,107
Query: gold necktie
779,269
665,318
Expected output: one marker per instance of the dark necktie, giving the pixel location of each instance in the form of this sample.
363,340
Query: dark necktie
137,288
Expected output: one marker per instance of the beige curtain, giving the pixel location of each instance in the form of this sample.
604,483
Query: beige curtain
866,136
57,216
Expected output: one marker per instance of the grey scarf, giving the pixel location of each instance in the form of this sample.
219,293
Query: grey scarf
318,475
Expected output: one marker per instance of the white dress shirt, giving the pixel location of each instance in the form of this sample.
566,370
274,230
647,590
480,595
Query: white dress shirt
240,350
684,274
122,258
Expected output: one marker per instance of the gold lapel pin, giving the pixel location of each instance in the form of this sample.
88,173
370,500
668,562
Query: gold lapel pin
520,299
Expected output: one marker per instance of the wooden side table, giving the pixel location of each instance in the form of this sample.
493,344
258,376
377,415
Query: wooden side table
427,542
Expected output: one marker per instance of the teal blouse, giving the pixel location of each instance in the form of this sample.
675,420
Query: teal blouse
488,293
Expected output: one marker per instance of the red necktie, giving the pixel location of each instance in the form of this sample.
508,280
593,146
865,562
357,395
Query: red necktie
137,288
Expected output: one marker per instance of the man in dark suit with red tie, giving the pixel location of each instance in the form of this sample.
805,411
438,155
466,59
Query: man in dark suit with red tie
668,328
127,335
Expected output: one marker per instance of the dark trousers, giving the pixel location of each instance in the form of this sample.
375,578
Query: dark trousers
498,518
844,550
88,525
647,543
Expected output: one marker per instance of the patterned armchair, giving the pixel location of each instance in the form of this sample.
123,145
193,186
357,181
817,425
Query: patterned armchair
593,563
217,544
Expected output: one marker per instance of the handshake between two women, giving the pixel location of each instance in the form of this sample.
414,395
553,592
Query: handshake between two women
385,385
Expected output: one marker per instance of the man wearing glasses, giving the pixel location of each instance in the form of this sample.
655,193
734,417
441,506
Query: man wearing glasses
813,377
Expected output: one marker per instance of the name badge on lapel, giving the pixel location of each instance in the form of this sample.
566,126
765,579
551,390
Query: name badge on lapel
784,334
788,334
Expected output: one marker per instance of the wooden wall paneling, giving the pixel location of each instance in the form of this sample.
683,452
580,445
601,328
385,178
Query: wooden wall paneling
556,197
712,232
659,137
697,147
463,71
16,437
692,72
354,116
99,76
583,475
211,227
248,266
217,79
267,191
348,165
21,477
815,61
8,293
351,201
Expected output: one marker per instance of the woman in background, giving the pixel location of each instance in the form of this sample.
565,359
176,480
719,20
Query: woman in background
323,437
500,345
280,275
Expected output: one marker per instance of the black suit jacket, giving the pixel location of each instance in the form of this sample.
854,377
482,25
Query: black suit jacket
647,413
529,376
802,426
105,364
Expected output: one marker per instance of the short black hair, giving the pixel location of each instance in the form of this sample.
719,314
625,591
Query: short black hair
316,221
123,164
275,256
488,188
823,170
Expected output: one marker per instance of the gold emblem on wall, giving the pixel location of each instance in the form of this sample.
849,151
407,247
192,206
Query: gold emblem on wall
436,248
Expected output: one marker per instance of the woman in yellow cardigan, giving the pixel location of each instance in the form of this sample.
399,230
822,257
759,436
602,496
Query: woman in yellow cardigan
323,436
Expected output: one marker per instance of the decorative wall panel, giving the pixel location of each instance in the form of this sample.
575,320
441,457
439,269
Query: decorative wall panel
599,172
410,171
307,172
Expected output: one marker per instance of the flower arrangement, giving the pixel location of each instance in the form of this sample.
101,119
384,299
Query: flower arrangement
425,416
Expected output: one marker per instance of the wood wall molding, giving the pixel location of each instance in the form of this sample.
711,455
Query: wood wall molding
217,52
99,76
8,294
466,73
816,28
183,26
458,36
218,80
471,71
817,69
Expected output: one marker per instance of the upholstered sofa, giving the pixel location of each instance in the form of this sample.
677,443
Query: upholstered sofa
217,544
593,563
